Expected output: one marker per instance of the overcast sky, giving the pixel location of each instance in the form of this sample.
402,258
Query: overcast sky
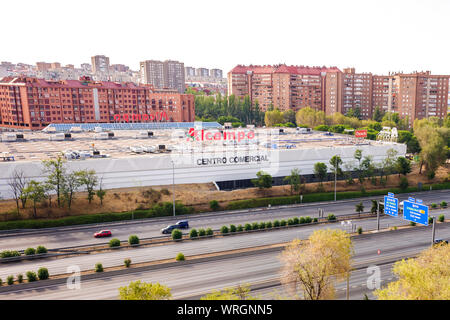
373,36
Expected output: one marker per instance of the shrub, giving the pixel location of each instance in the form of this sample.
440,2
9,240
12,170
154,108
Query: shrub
214,205
283,223
443,204
114,243
31,276
9,254
255,226
180,257
177,234
193,234
201,232
360,230
331,217
268,225
248,227
10,280
43,273
262,225
240,228
276,224
441,218
434,205
30,251
1,282
133,239
315,220
165,192
412,223
41,250
209,232
98,267
302,220
309,220
20,278
290,222
296,220
232,228
224,230
430,220
127,262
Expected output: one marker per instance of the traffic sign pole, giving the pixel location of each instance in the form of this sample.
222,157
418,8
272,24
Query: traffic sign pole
378,215
433,231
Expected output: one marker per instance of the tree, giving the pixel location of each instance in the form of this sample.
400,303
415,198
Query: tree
368,168
70,185
358,156
320,171
426,277
56,174
388,164
238,293
274,117
138,290
359,208
101,192
310,117
263,180
378,114
314,265
89,180
35,192
336,162
403,166
294,180
17,183
289,116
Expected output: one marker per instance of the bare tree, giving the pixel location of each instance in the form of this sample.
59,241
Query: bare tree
17,182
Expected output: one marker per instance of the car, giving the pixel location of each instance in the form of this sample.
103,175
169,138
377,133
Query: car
103,233
169,229
183,224
440,241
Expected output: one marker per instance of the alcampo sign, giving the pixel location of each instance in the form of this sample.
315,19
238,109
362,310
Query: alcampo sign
202,135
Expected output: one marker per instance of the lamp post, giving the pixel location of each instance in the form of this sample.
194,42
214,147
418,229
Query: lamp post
173,186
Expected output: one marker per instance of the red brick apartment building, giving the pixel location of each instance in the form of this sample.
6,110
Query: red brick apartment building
416,95
31,103
286,87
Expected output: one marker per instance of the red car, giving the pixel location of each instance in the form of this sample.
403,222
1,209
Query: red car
103,233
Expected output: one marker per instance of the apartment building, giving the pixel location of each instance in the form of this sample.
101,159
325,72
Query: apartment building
100,64
357,92
32,103
202,72
216,73
287,87
163,74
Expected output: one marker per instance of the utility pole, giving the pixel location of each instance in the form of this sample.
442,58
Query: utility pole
433,231
173,186
348,285
335,178
378,215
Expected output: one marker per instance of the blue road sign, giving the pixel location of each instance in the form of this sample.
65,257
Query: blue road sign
391,206
415,212
419,201
411,199
390,194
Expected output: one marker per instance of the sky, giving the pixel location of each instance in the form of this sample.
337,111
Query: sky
372,36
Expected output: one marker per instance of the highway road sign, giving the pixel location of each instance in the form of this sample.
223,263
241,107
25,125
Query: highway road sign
419,201
391,206
415,212
411,199
390,194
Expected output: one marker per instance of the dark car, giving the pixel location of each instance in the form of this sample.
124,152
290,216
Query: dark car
183,224
440,241
103,233
169,228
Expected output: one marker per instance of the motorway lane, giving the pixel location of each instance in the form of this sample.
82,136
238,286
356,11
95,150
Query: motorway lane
196,279
75,236
143,254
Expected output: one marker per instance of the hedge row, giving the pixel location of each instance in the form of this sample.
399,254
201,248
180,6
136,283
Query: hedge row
325,196
27,252
159,210
42,274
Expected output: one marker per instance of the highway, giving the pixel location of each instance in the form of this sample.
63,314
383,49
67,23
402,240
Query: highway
196,279
83,235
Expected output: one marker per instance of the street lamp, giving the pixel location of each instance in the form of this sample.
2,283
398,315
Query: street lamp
173,186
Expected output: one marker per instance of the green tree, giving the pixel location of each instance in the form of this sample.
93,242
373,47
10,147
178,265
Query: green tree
138,290
101,192
89,180
70,185
310,117
238,293
273,117
359,208
36,193
336,163
378,114
263,180
320,171
403,166
294,181
56,173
